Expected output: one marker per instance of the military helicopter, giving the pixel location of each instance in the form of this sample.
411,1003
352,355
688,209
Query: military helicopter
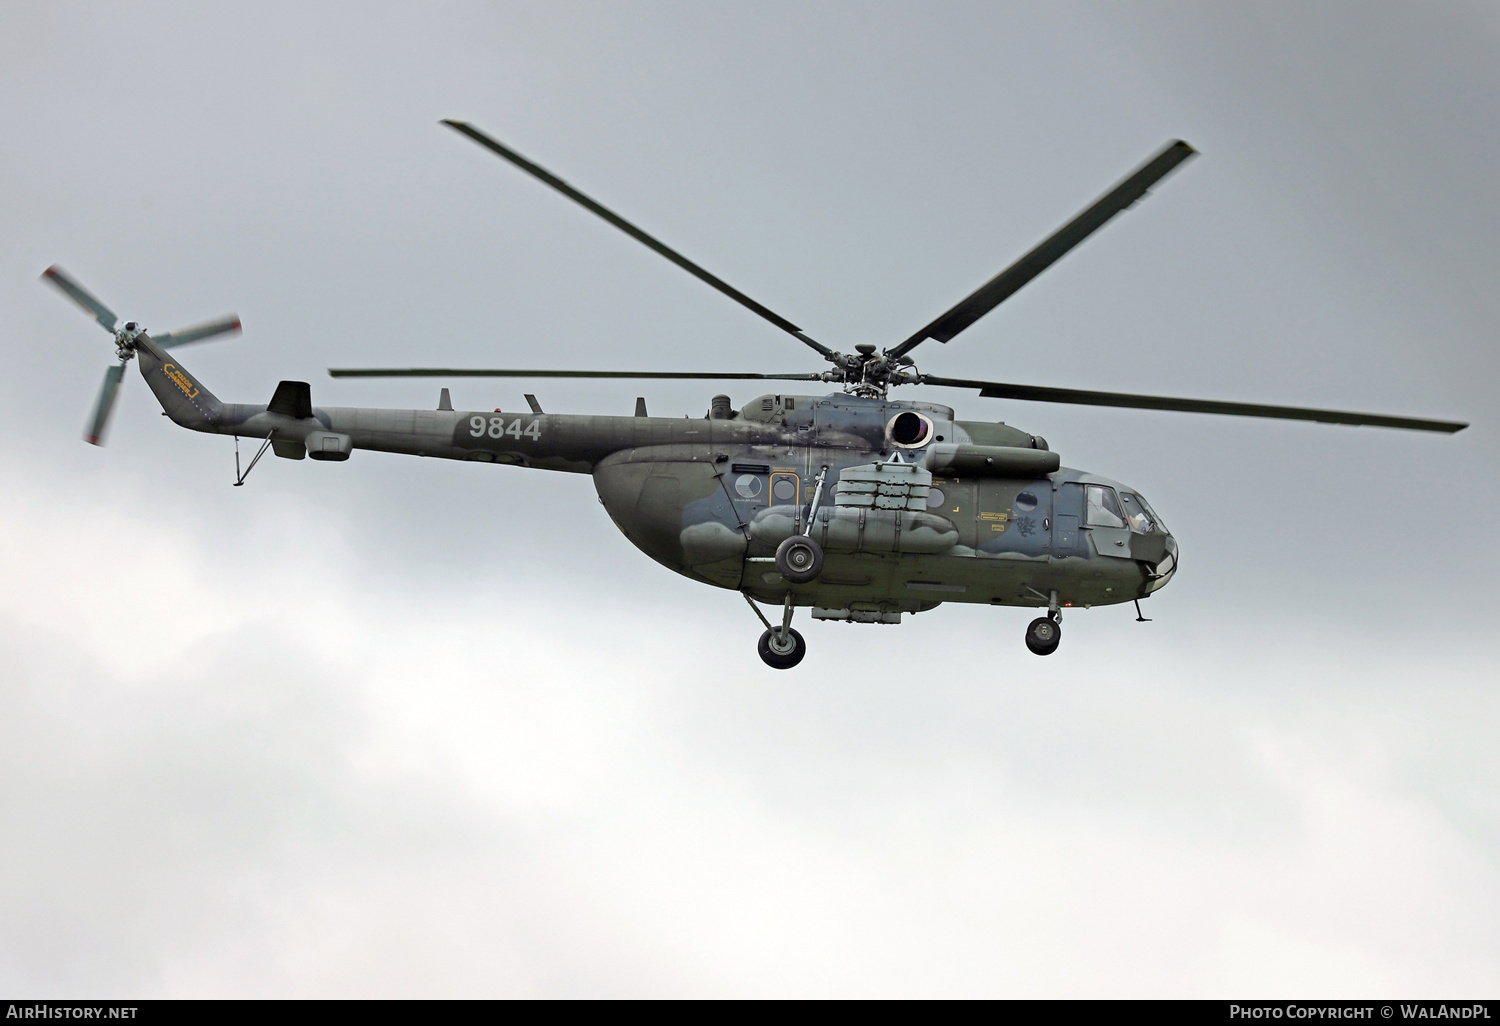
859,506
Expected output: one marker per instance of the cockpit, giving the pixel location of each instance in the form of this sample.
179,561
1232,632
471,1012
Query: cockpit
1129,521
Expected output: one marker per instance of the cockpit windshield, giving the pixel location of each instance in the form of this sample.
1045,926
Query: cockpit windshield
1141,516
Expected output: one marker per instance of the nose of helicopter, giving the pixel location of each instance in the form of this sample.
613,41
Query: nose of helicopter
1162,572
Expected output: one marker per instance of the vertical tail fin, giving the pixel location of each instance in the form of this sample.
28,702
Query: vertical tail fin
181,395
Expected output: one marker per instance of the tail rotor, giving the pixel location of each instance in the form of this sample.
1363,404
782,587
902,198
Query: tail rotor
126,337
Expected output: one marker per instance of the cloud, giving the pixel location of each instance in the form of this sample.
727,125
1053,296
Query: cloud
217,784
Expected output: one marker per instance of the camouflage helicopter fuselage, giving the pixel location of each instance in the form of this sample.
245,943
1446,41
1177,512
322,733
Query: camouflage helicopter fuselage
913,512
860,506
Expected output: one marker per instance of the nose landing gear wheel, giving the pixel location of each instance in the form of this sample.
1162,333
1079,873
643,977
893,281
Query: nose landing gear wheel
782,652
1043,636
799,559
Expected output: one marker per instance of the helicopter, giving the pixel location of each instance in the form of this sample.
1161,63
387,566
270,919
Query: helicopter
861,507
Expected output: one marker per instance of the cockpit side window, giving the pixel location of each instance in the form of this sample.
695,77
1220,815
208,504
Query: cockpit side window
1139,517
1155,516
1104,508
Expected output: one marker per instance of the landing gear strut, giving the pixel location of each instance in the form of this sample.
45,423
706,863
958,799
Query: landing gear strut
1044,634
780,647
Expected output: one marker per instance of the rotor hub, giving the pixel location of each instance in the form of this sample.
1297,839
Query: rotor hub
870,374
125,340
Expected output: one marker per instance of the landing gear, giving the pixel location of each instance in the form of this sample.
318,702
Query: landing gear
1043,635
780,647
781,651
799,559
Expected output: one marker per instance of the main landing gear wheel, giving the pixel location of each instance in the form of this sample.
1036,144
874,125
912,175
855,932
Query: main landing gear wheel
782,652
1044,635
799,559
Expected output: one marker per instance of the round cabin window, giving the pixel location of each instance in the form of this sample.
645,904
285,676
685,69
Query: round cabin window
748,485
909,430
1026,502
784,490
935,498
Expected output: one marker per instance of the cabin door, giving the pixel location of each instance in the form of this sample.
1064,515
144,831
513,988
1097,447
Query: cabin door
1104,519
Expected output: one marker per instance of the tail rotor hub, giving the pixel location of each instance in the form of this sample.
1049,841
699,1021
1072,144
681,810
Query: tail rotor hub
125,340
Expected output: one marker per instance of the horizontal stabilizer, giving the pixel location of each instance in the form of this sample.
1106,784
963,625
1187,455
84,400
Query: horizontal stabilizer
292,399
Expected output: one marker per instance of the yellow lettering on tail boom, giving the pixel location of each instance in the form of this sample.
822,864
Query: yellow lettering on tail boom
181,380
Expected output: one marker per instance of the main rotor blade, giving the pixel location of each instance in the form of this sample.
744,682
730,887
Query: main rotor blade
1041,394
542,174
463,372
1009,281
94,435
80,295
198,332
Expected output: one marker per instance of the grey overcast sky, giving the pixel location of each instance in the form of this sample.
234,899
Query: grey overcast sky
405,727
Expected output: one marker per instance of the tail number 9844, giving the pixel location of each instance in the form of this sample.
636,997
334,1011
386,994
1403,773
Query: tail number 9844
495,427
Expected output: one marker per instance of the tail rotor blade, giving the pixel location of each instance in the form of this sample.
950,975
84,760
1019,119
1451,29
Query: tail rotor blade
80,295
107,392
198,332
